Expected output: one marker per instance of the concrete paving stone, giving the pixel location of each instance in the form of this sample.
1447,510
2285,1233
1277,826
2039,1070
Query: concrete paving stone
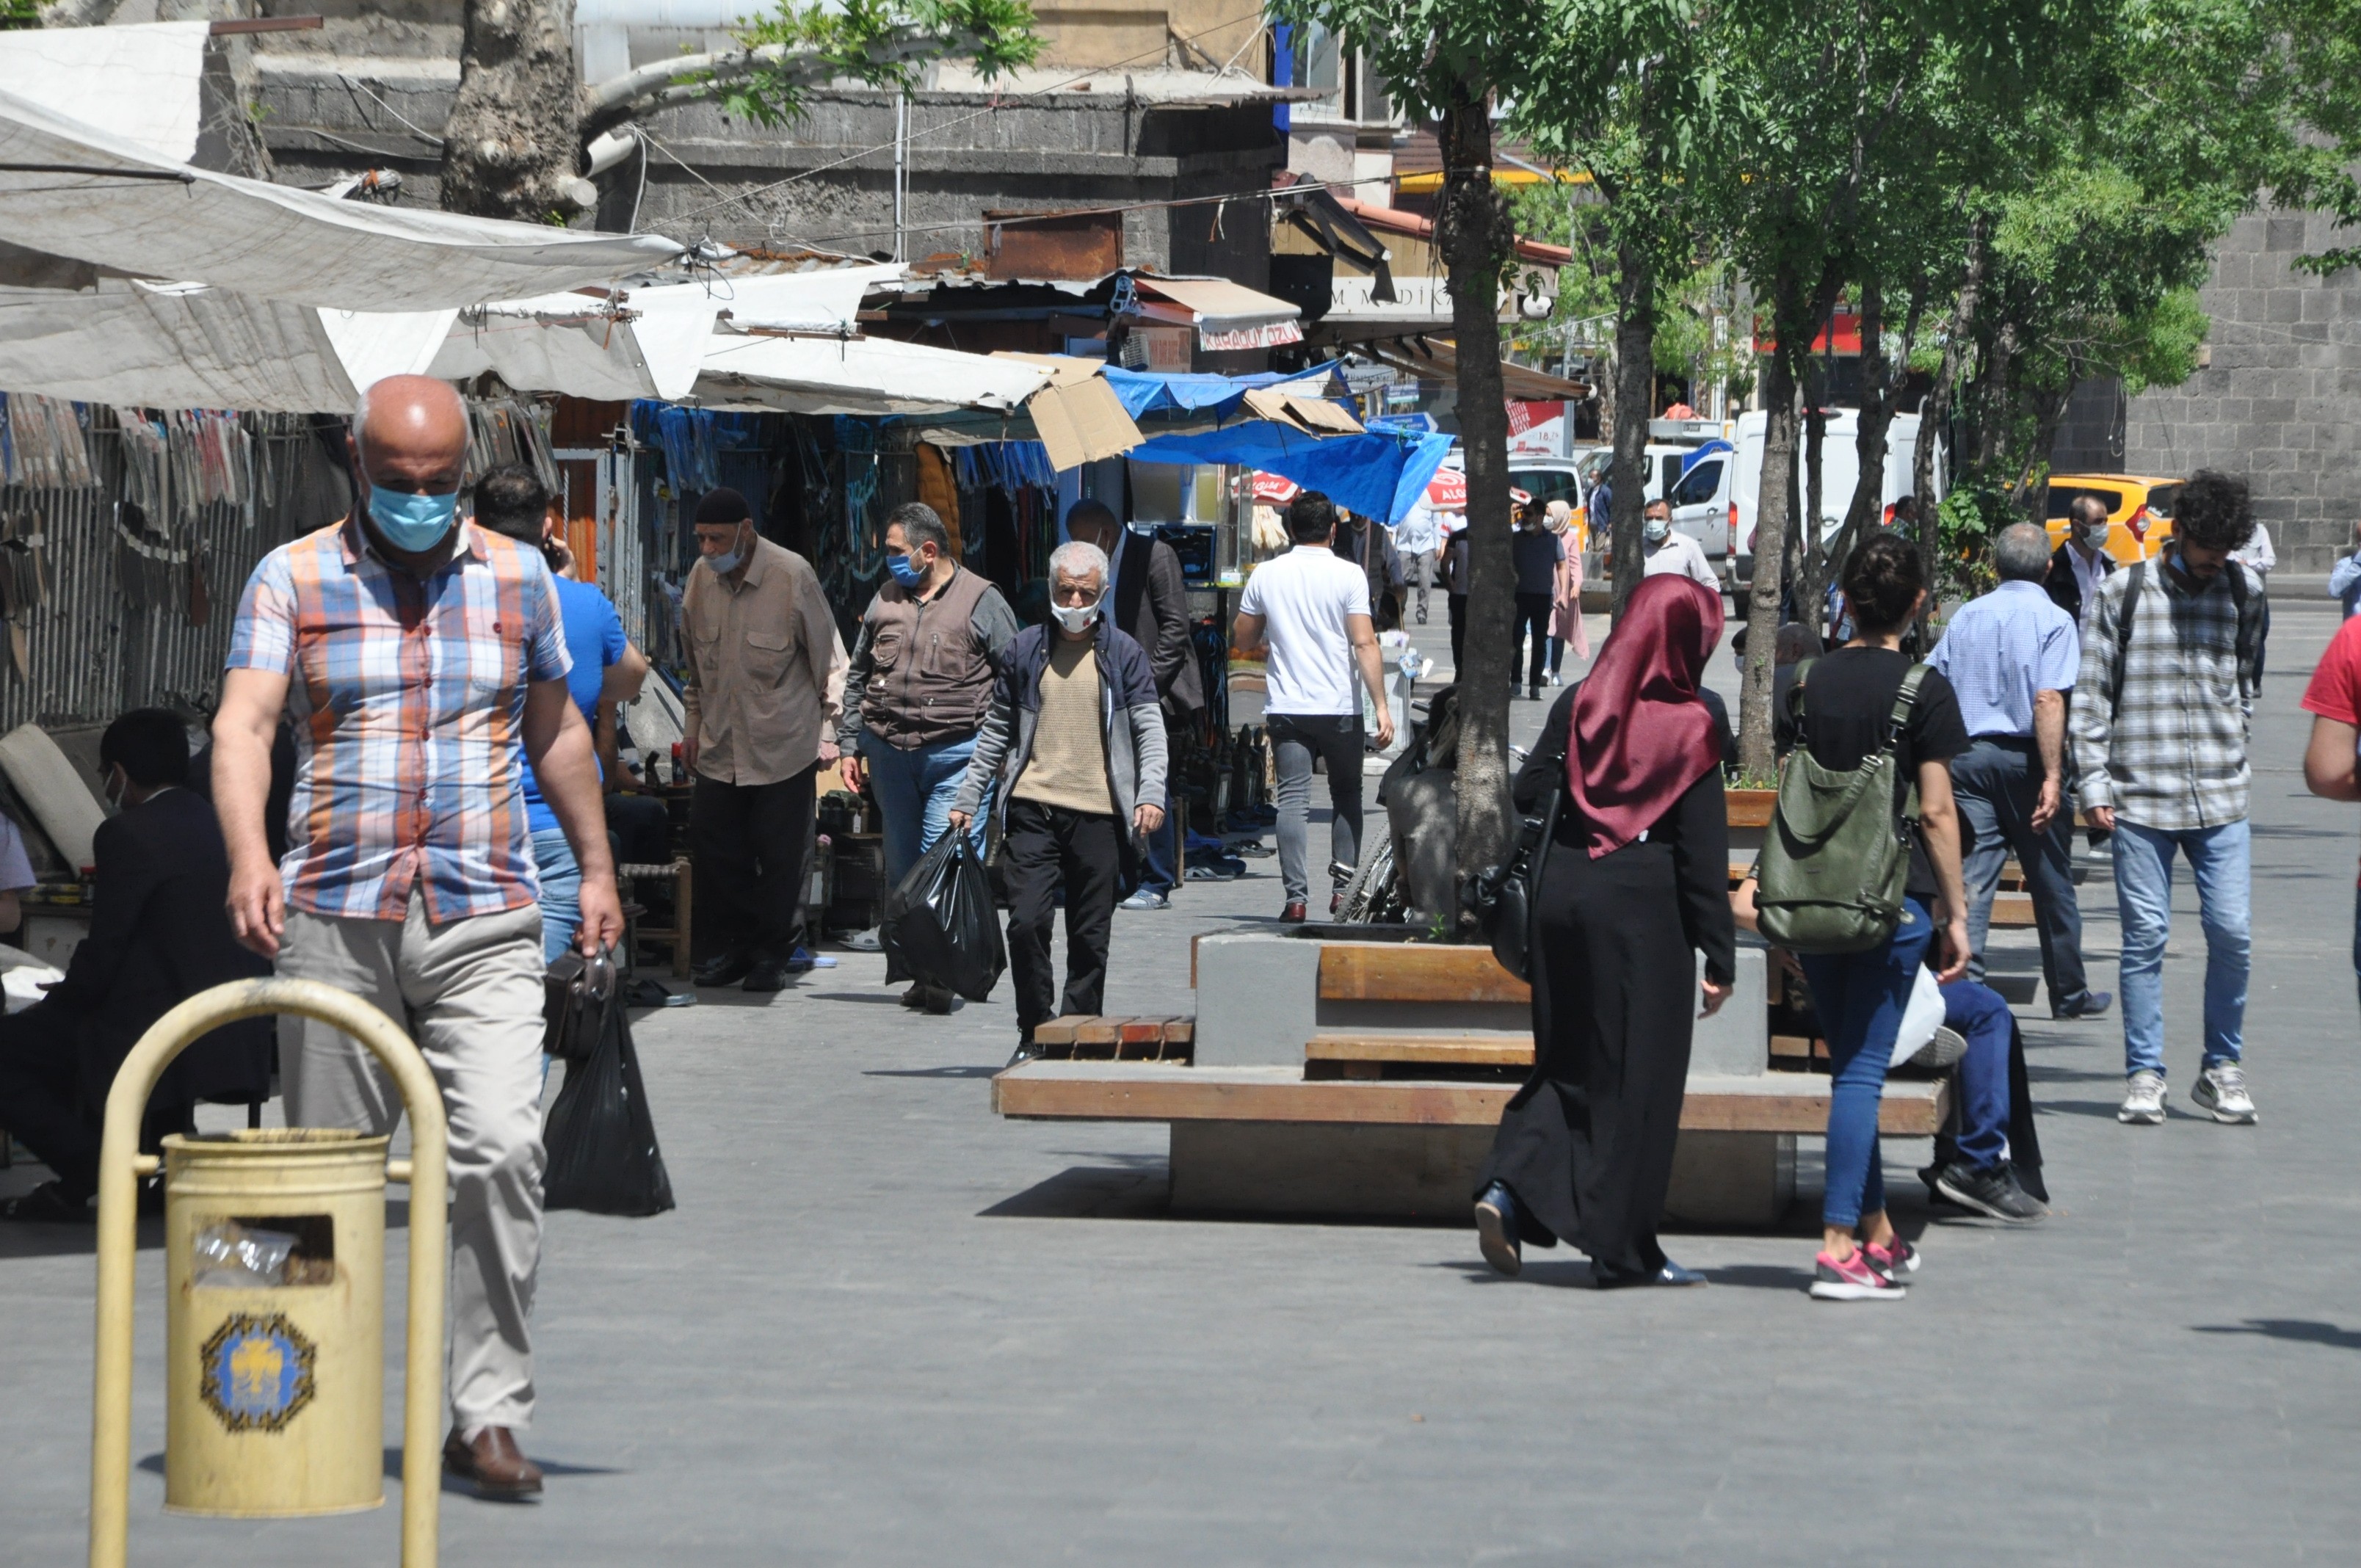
883,1327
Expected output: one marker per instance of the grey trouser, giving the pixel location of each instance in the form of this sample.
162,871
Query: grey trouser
1417,573
470,992
1337,737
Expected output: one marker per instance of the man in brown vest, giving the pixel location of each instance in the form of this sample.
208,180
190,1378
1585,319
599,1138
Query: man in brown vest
932,643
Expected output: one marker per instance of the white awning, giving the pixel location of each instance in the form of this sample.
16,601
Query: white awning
1226,315
648,342
147,346
73,190
140,81
859,375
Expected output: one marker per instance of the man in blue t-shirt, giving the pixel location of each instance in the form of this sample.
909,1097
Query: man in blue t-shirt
608,670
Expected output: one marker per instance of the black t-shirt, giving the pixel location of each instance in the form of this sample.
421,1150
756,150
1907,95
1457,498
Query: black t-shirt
1847,696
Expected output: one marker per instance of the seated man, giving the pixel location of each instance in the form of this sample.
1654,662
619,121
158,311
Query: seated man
1978,1164
158,933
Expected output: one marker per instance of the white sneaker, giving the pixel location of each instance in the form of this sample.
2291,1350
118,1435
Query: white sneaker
2143,1099
2222,1090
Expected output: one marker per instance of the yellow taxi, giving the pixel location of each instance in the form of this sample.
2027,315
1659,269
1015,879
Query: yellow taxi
2139,510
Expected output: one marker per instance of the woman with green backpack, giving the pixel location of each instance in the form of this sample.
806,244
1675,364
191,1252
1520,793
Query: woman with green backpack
1864,849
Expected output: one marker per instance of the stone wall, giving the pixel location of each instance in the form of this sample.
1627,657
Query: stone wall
2280,401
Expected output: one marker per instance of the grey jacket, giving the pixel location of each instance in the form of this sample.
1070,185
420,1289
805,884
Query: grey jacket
1130,720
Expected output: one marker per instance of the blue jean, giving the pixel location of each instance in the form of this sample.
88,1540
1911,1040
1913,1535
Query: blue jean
1997,783
1859,998
1980,1015
1159,865
561,892
2220,860
915,790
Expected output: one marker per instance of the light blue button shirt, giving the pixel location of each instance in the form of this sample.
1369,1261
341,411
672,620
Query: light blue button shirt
2001,648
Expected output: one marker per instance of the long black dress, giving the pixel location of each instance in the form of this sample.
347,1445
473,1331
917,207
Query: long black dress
1586,1145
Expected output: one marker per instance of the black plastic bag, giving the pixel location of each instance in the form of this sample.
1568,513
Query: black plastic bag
601,1140
939,926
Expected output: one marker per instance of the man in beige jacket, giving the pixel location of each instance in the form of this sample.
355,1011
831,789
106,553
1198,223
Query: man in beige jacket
764,685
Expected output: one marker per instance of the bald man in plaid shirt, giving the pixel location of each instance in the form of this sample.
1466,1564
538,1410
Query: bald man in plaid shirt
422,659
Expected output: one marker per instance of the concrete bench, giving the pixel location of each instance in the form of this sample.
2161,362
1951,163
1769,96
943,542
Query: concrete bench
1271,1140
1366,1078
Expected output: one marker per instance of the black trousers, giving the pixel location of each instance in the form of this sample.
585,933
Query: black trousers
1534,616
1046,850
42,1099
748,843
1457,605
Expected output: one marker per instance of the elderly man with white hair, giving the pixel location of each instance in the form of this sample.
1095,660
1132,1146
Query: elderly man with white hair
2012,656
1075,738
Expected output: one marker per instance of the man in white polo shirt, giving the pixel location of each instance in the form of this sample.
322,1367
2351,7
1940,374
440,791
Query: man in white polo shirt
1312,611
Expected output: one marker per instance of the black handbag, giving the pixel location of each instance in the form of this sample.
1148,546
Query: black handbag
1503,897
575,994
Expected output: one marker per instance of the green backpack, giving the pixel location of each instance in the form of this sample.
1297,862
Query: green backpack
1834,864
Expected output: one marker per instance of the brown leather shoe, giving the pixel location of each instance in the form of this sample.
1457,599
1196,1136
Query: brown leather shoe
493,1464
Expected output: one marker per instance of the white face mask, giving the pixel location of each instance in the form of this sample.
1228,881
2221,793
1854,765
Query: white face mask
1077,618
1655,530
2094,535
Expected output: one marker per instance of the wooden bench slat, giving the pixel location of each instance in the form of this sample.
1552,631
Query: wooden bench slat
1436,1050
1099,1031
1413,972
1058,1031
1150,1091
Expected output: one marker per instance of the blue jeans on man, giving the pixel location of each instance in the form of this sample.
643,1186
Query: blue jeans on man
2219,859
1997,783
1979,1014
915,792
561,892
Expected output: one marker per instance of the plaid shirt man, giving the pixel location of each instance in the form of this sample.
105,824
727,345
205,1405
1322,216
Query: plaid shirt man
2171,753
409,702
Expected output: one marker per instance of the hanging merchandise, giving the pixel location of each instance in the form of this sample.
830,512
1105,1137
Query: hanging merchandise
24,583
42,443
146,463
147,565
503,429
687,437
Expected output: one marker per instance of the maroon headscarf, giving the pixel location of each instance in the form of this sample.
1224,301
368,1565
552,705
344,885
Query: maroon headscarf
1641,735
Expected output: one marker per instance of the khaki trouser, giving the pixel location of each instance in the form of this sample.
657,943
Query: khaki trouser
470,992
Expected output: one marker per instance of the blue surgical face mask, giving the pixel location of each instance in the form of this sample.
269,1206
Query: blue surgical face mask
412,523
907,572
725,563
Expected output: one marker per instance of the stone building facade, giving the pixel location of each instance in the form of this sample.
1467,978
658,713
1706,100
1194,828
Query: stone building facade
2279,399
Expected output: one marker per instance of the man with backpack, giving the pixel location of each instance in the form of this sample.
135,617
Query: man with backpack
2161,714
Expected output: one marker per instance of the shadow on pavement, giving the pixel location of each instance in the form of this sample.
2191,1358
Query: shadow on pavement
1140,1191
2303,1329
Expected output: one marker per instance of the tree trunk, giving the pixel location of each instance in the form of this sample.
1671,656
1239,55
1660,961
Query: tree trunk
2033,476
1811,549
1470,234
1635,379
1935,414
1868,503
509,149
1755,757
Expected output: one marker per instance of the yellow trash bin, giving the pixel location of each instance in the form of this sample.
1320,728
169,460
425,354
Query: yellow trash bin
275,1273
274,1322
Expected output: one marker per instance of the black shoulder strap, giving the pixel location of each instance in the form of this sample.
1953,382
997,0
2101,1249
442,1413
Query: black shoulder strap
2125,617
2249,633
1905,698
1795,692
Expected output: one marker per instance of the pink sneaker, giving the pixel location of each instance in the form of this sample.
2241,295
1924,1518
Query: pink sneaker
1902,1258
1852,1279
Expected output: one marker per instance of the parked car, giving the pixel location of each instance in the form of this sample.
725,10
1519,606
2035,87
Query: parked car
2139,510
1839,469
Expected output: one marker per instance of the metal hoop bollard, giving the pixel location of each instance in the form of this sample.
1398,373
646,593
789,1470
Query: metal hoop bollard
121,1165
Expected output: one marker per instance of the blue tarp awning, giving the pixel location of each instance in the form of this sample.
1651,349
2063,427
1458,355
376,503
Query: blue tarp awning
1380,476
1148,392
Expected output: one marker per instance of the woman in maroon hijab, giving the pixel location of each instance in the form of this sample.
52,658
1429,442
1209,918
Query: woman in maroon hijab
1636,879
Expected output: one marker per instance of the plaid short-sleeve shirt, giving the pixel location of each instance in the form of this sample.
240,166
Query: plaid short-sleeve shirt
408,697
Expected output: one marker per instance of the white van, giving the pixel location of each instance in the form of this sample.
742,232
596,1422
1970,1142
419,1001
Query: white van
1743,477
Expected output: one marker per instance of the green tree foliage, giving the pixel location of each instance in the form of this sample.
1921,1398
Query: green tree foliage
883,43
